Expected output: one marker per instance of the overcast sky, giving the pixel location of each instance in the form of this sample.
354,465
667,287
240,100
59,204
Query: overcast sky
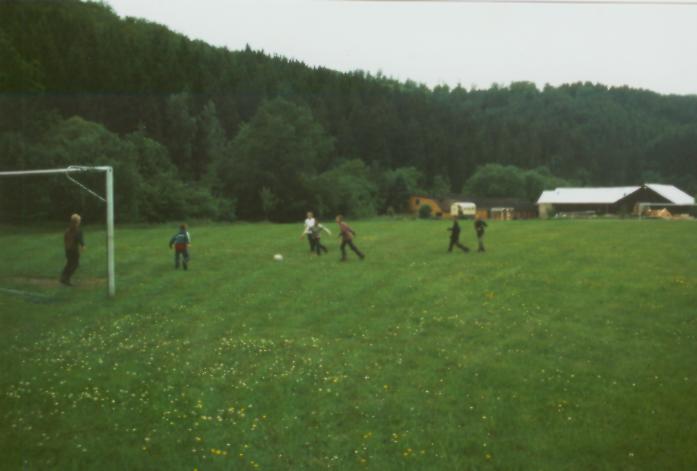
643,46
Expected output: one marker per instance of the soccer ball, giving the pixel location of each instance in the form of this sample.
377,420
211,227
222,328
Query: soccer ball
278,257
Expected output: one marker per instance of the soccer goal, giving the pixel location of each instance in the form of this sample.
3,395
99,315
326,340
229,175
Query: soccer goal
108,199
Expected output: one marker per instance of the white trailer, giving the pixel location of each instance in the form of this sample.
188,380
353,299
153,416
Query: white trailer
463,209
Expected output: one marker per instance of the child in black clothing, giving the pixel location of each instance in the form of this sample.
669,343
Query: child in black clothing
479,226
455,237
74,243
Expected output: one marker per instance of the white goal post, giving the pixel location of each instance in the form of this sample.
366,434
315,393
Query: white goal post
108,199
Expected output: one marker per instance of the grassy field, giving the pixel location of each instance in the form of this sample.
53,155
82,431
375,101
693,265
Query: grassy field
568,345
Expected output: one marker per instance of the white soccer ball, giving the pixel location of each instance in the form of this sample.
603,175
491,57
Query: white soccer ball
278,257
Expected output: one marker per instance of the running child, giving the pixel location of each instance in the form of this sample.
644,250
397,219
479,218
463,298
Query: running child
309,224
316,232
455,237
347,234
181,241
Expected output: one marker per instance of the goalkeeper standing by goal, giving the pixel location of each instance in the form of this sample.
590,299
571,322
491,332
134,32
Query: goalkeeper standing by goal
181,242
74,243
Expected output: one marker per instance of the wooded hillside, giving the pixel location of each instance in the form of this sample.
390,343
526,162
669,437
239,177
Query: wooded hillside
199,131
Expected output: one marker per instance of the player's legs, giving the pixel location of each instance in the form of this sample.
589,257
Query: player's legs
185,256
355,249
66,270
71,264
464,248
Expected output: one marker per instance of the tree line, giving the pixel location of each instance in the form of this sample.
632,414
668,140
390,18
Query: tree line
201,131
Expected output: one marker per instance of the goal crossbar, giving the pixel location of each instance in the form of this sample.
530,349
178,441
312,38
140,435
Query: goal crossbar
108,199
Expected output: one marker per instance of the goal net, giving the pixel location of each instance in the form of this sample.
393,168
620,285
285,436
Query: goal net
32,240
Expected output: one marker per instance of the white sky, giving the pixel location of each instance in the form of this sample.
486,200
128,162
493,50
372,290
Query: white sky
643,46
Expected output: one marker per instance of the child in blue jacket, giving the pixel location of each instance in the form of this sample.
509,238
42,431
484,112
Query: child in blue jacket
181,241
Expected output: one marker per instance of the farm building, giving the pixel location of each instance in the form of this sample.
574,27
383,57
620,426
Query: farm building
463,209
415,202
471,206
504,209
622,200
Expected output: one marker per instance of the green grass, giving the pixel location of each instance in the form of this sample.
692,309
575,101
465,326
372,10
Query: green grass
568,345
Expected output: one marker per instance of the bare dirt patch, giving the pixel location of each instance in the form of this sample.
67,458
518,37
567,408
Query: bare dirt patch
44,282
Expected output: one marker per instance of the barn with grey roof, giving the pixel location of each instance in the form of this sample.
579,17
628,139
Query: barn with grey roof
621,200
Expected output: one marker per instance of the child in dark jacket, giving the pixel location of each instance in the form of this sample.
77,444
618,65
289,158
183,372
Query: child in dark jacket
479,226
455,237
181,241
74,243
